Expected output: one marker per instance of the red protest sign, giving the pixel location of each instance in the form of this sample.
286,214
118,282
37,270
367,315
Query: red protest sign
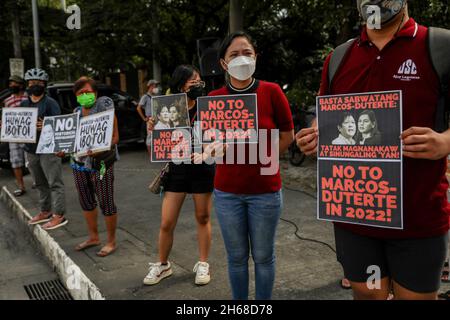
171,145
360,159
228,118
360,193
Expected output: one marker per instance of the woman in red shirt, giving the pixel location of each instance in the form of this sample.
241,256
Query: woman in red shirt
248,197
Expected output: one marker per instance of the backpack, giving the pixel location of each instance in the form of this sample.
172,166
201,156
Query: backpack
439,51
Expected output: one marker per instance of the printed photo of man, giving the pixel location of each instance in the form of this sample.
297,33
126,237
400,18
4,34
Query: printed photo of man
47,140
347,130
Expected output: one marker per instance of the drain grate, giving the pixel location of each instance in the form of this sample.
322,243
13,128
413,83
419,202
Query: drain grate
48,290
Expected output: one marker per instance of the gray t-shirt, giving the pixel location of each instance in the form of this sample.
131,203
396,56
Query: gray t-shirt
146,103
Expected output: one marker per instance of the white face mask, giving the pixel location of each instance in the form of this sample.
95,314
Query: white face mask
242,68
155,90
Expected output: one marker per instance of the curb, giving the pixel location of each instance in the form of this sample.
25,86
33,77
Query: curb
78,284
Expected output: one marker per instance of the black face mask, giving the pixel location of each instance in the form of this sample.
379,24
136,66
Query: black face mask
15,89
195,92
36,90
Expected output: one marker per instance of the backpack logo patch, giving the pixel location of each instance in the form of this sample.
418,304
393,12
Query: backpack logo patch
408,71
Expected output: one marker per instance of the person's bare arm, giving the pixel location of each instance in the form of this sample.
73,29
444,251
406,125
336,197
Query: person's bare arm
115,136
286,139
140,110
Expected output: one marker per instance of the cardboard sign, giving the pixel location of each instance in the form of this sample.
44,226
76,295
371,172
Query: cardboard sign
360,159
59,134
232,118
171,145
95,132
19,125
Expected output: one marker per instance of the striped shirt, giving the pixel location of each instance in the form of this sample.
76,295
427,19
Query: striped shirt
14,101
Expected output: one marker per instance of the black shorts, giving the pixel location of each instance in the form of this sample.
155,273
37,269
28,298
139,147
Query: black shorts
415,264
190,178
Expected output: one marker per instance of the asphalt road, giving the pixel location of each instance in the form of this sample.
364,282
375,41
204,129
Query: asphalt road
305,269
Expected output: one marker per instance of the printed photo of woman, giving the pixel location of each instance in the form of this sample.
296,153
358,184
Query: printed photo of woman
368,133
178,114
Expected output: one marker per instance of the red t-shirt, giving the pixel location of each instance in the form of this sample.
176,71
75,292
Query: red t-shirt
273,113
367,69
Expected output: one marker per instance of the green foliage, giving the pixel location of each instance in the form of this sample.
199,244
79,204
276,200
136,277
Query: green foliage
293,36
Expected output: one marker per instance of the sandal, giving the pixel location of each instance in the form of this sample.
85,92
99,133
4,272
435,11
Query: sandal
85,245
19,192
343,286
445,273
104,252
444,296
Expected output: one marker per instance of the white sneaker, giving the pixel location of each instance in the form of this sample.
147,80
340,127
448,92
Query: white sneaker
157,272
202,276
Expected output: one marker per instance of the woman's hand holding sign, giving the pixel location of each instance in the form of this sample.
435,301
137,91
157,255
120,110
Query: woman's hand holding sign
217,149
198,158
150,124
307,139
425,143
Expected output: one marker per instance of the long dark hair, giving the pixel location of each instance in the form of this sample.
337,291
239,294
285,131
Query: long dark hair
181,109
372,119
180,76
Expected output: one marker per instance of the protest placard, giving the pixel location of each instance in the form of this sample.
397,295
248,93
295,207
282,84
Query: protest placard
59,134
230,118
360,159
171,145
170,111
19,125
95,132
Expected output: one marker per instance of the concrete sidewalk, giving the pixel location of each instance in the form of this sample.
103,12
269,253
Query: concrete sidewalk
20,262
305,270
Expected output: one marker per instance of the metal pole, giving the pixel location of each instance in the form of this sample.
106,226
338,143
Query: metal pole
37,51
236,16
155,42
63,5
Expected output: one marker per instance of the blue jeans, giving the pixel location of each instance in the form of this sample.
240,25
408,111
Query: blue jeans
249,222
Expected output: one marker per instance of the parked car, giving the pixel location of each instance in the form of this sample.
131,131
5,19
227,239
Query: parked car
131,127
